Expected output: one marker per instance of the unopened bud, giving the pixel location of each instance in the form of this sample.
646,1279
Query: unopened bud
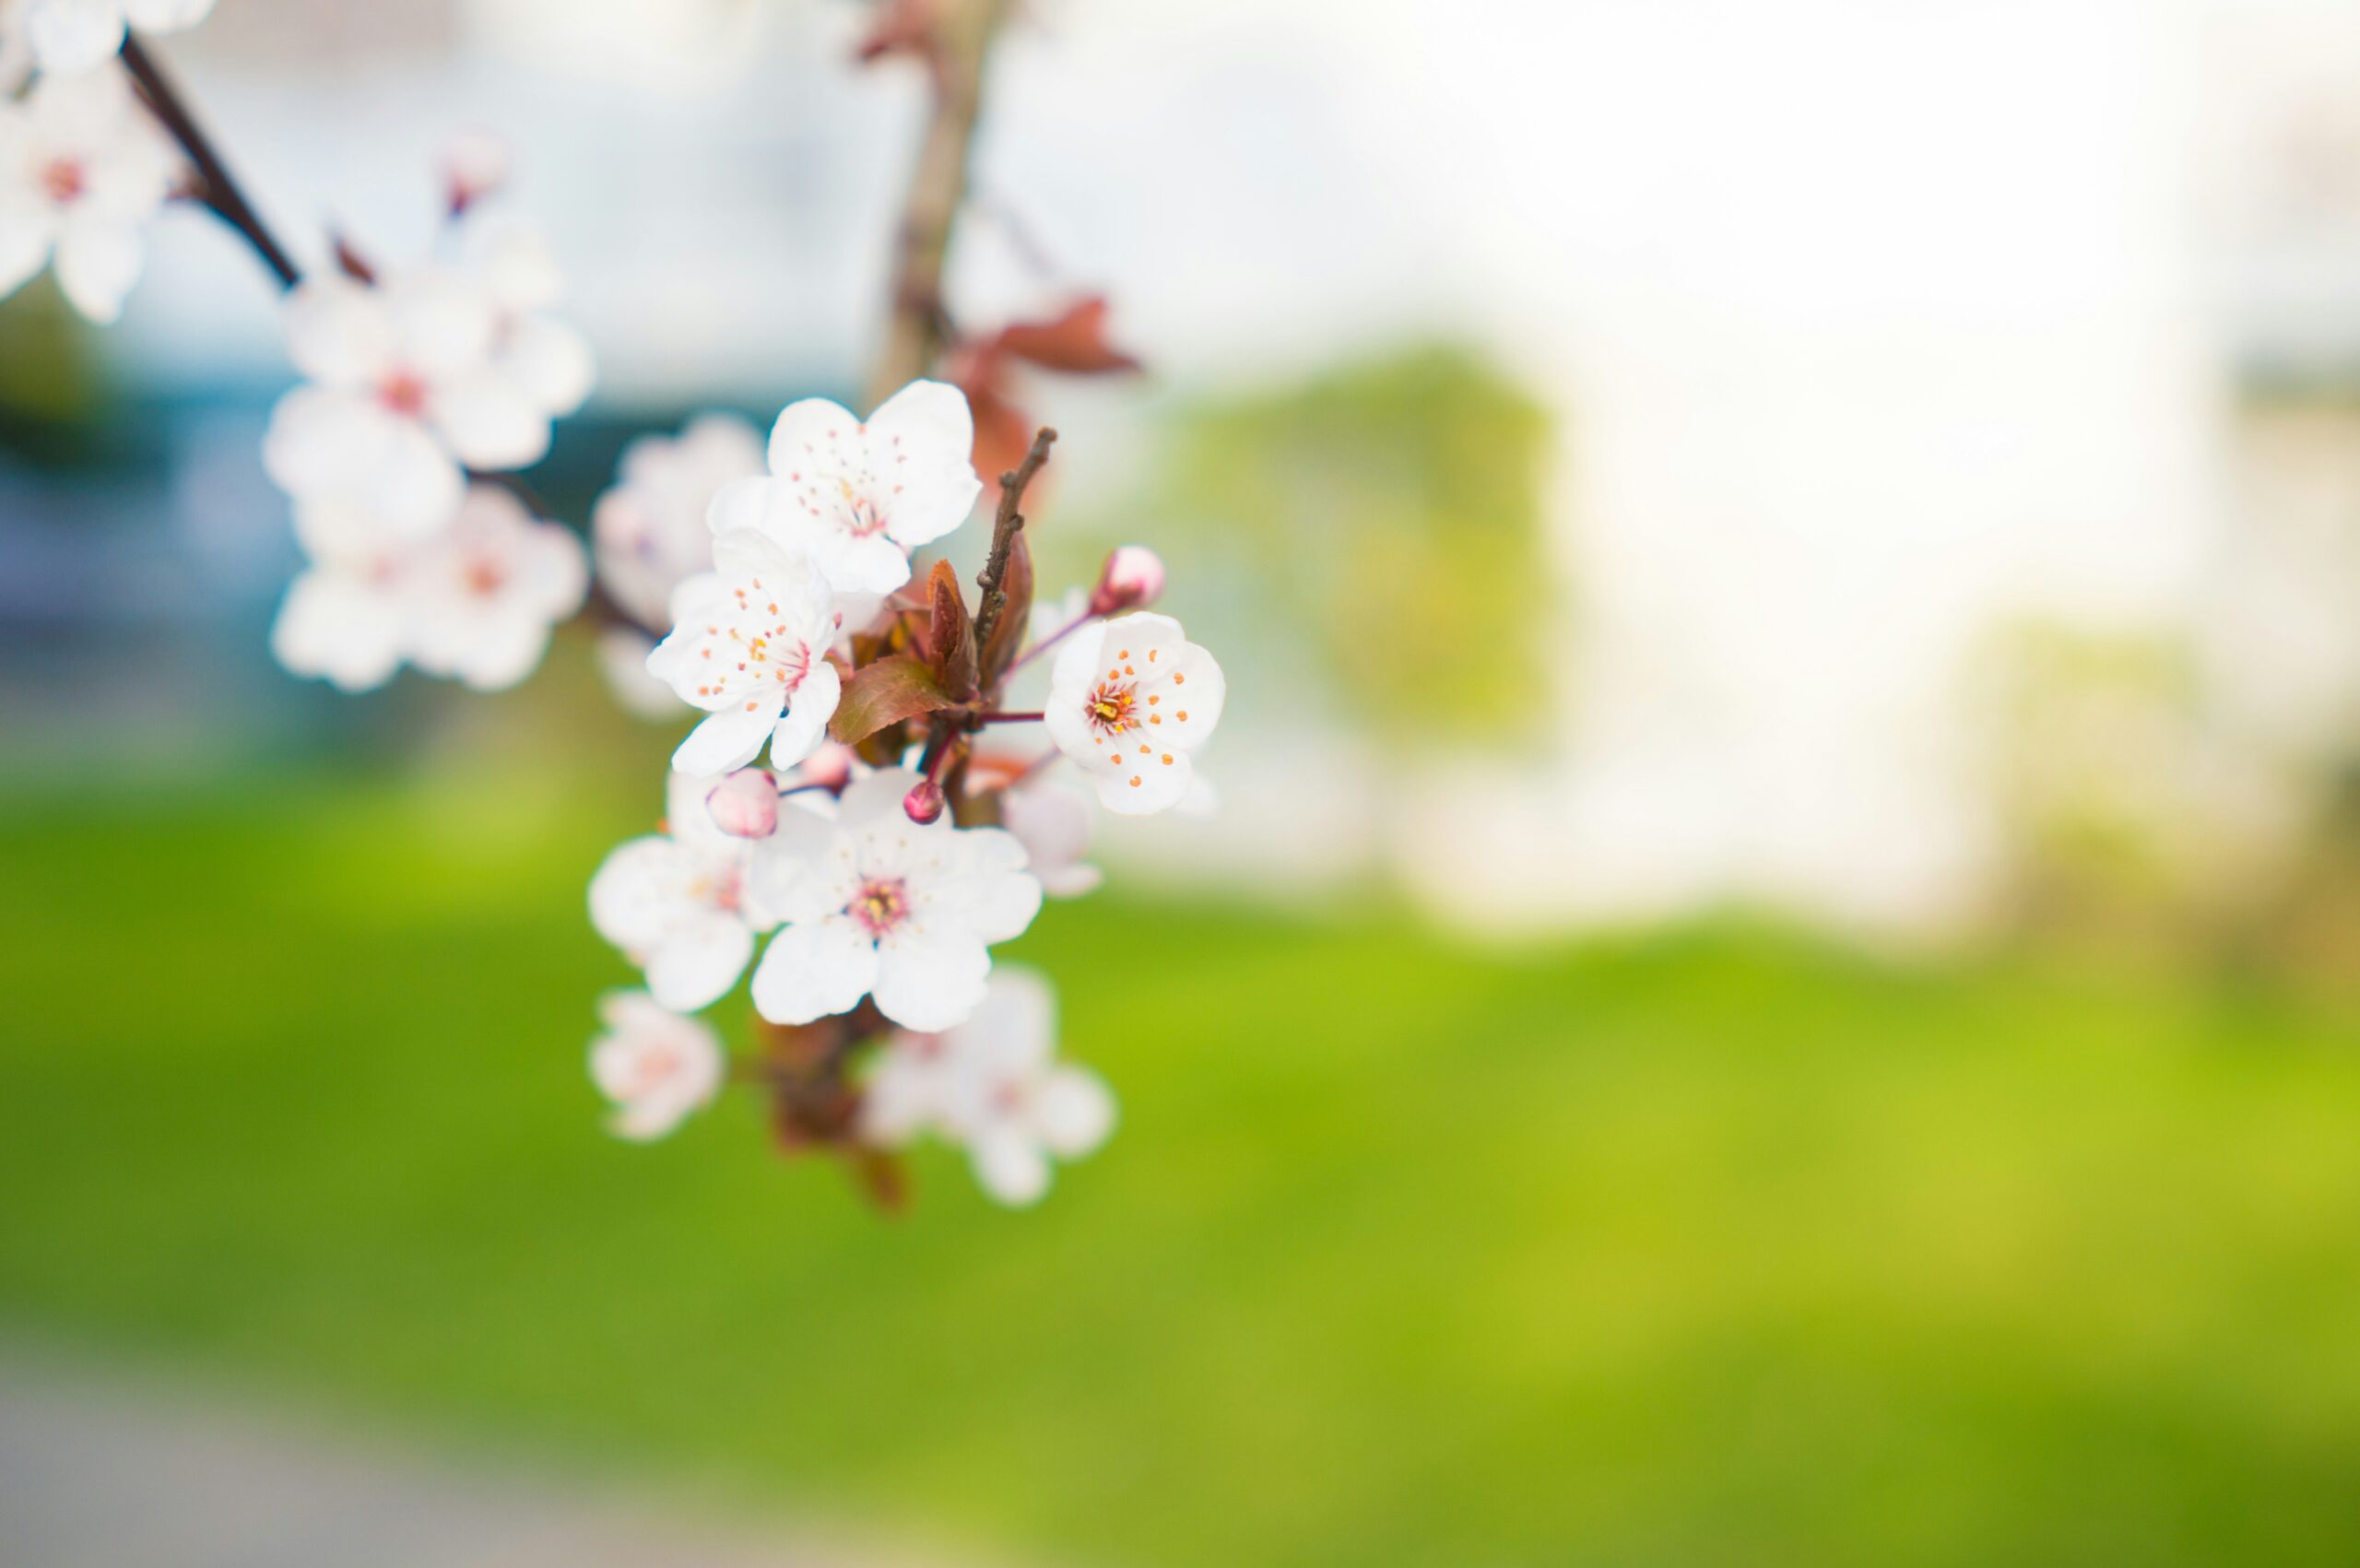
475,165
1131,579
923,802
745,805
829,767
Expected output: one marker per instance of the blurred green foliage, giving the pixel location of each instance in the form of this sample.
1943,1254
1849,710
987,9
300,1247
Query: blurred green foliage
1715,1248
49,373
1392,510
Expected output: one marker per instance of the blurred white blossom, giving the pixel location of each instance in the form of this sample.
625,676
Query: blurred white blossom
1052,821
859,496
650,529
1129,700
655,1065
72,36
546,361
678,903
874,903
83,168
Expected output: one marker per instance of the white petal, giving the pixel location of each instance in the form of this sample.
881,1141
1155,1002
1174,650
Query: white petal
739,504
730,739
623,659
876,799
811,431
97,264
805,726
71,36
698,960
644,888
1142,785
1010,1167
339,627
1073,1111
803,871
814,969
922,439
337,332
442,323
166,15
488,422
550,362
930,981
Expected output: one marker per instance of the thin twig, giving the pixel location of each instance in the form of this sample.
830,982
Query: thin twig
219,189
991,598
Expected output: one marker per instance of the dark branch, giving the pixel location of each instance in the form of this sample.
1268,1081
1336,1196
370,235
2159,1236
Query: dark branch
217,187
991,597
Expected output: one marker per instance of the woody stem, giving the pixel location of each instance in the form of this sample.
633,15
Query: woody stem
219,189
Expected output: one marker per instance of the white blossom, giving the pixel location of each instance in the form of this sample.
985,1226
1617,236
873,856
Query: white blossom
83,168
622,660
476,601
750,646
1129,700
402,394
650,530
547,362
679,903
993,1084
72,36
655,1065
874,903
484,594
859,496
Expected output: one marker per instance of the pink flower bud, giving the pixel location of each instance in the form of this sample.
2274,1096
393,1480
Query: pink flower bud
745,805
829,767
1132,577
923,802
475,164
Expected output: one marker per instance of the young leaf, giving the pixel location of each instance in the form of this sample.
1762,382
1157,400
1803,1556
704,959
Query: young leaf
886,693
1074,342
1015,614
951,635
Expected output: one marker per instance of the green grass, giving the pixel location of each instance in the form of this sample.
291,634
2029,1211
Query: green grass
1715,1248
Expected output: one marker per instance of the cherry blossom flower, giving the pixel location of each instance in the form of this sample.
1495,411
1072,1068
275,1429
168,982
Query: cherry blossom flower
858,497
650,529
653,1064
402,391
993,1084
483,594
73,36
345,620
83,168
875,905
1131,579
543,358
750,646
679,903
1129,700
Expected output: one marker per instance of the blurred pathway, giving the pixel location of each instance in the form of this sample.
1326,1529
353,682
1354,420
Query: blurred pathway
92,1476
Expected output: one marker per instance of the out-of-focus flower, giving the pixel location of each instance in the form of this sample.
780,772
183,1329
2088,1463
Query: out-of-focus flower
73,36
475,164
859,496
83,168
749,647
829,767
875,905
1053,824
545,360
1129,700
1131,579
623,659
993,1084
344,619
483,594
653,1064
650,529
402,391
678,903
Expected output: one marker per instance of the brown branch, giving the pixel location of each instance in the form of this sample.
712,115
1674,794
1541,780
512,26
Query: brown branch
992,599
916,334
217,187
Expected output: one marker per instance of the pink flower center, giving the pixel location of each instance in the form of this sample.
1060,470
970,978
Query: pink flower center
867,519
656,1064
1110,708
64,180
484,576
404,392
882,903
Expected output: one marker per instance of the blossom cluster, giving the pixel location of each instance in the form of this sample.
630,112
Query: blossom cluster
848,830
884,849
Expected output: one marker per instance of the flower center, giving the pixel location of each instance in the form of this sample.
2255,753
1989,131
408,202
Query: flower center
656,1064
404,392
484,576
866,519
1110,708
64,180
882,903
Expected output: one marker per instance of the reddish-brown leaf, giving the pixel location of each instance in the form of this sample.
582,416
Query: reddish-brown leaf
886,693
1074,343
950,634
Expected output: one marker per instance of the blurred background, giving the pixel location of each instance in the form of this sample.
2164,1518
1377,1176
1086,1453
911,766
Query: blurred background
1779,977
